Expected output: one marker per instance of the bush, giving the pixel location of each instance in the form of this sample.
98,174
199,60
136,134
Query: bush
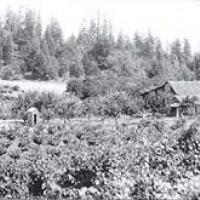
10,72
99,85
120,103
76,70
49,105
44,102
16,88
111,105
85,88
74,86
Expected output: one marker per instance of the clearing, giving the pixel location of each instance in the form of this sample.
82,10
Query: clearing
40,86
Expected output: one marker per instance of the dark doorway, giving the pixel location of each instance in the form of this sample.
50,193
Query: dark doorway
35,119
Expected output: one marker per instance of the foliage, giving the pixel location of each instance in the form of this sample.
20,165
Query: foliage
43,53
120,103
101,85
85,161
49,105
159,102
12,72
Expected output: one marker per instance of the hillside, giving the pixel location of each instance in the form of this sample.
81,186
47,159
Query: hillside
39,86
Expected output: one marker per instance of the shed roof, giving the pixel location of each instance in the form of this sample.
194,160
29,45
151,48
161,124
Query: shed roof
181,89
32,110
185,88
175,105
151,88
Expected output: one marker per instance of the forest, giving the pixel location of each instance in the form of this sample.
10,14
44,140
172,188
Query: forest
30,51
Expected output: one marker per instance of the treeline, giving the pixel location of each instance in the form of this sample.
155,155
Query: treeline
29,51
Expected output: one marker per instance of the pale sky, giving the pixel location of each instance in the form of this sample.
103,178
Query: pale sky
168,19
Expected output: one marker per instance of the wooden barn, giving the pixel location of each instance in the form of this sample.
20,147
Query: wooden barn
180,90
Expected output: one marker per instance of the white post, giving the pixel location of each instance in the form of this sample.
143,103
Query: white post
177,113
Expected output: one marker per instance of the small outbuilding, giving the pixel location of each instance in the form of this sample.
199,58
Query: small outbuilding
179,90
176,110
33,116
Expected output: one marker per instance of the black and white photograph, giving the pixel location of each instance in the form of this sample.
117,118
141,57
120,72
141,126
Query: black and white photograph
99,100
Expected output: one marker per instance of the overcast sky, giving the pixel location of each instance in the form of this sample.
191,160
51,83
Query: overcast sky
168,19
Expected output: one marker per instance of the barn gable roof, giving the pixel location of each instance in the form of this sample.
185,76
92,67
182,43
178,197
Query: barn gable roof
151,88
185,88
181,89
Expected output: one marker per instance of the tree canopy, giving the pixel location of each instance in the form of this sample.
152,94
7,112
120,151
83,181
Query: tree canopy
37,52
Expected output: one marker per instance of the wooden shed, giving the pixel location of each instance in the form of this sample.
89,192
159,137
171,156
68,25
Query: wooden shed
179,90
33,116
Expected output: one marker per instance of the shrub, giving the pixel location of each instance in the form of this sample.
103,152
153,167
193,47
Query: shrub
76,70
120,103
16,88
74,86
10,72
50,105
44,102
99,85
112,105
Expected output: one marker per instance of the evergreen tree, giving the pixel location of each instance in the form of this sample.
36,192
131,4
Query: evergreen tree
7,48
159,52
139,44
69,56
29,25
104,36
111,37
56,32
120,41
149,46
10,21
50,41
93,32
187,55
84,40
176,51
54,37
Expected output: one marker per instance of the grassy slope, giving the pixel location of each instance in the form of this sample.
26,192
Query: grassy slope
41,86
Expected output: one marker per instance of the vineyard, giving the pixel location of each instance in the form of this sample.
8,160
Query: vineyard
79,160
98,148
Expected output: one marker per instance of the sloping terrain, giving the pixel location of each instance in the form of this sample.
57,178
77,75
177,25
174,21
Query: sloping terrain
39,86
